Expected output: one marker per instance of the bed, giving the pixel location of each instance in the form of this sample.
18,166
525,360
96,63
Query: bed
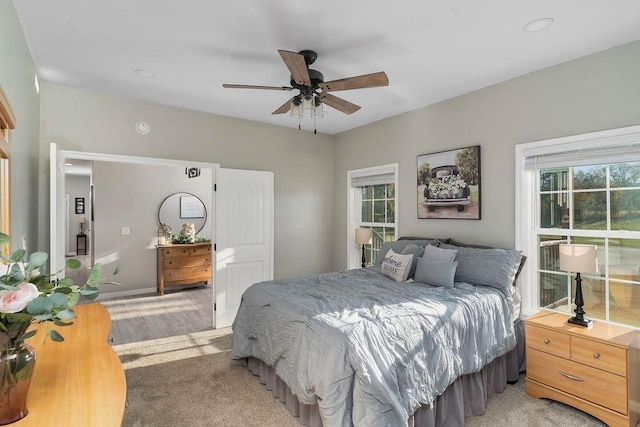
365,347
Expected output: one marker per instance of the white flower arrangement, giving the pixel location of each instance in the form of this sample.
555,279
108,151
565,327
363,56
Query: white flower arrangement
446,186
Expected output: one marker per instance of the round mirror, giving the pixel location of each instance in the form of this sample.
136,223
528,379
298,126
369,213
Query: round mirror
178,208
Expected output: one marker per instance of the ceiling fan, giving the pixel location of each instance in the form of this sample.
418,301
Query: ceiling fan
314,91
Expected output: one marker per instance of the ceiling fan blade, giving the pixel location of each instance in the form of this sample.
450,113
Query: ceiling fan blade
284,107
233,86
339,103
297,66
358,82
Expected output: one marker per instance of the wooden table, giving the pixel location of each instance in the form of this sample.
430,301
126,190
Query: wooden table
79,382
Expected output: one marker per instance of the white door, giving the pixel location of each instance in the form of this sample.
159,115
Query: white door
243,235
57,211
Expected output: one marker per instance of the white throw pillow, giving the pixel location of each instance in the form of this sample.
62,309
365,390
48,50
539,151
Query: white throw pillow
396,266
433,253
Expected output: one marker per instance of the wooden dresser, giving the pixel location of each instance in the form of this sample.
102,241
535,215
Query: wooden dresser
183,264
596,370
79,382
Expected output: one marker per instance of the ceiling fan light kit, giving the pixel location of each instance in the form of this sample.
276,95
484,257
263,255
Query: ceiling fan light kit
314,91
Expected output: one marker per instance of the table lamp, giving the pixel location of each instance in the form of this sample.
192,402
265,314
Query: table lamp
363,237
577,259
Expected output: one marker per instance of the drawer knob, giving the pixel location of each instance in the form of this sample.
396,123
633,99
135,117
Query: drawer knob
546,341
596,355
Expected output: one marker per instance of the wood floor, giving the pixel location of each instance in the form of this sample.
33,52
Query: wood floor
151,316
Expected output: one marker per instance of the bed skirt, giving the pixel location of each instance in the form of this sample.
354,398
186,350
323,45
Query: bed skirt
466,396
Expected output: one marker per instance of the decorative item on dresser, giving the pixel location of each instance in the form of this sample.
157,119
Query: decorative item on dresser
596,370
579,258
183,264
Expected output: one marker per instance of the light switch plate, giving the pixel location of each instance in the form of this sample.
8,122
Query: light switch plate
124,230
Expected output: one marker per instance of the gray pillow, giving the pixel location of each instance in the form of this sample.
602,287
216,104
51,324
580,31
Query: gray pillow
523,259
486,267
398,246
433,253
416,251
436,273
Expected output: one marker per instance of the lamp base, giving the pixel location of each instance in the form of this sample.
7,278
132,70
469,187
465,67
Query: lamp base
587,323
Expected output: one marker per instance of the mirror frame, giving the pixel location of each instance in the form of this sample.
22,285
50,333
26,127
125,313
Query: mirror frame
186,193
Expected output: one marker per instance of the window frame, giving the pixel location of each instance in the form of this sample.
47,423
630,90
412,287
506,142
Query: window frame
7,122
526,203
354,203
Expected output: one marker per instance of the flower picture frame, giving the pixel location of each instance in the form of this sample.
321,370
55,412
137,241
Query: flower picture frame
448,184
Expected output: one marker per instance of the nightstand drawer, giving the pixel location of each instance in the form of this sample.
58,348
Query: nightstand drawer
599,355
593,385
548,341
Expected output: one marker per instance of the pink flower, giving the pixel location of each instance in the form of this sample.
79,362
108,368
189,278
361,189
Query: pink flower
16,301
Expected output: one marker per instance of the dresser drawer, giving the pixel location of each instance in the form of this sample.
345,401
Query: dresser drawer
191,261
178,251
548,341
594,385
599,355
188,275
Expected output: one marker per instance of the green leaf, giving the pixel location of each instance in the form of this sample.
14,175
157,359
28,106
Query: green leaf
65,314
73,299
73,264
117,270
37,260
65,290
4,239
112,283
42,317
67,281
8,287
59,300
28,335
40,305
59,322
94,276
55,336
17,256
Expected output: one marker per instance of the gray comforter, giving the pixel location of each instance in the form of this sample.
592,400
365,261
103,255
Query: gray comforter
369,351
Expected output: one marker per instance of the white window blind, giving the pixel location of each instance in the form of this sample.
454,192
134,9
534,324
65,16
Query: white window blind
381,176
585,157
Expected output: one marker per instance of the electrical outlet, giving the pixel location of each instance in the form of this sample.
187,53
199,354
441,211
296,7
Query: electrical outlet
125,230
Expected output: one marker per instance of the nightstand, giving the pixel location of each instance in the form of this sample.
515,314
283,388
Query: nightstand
596,370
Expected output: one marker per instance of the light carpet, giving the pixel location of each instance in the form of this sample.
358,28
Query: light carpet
191,380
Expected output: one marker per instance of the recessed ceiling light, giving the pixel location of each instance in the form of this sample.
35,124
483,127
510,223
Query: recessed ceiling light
143,128
538,25
145,74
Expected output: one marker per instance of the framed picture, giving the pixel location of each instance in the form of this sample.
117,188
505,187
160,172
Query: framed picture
79,205
191,207
449,184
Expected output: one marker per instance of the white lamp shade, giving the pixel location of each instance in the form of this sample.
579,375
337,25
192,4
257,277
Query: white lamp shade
363,236
579,258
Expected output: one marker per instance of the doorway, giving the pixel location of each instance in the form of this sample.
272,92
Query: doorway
243,234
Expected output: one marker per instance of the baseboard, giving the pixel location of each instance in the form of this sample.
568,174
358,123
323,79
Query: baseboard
118,294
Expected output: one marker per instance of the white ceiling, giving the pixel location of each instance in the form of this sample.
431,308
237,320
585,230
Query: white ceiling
431,50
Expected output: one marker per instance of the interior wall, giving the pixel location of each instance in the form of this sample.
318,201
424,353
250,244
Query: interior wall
597,92
77,186
302,163
17,75
129,195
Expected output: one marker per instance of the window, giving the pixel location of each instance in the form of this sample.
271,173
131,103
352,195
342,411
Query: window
7,122
582,189
373,202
